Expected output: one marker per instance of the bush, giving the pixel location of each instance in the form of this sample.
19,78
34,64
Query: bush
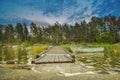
27,44
8,53
67,47
112,53
22,55
105,37
38,49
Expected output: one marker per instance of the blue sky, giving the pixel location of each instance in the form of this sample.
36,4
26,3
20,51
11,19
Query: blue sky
50,11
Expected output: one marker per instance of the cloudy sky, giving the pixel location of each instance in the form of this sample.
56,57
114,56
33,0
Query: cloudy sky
49,11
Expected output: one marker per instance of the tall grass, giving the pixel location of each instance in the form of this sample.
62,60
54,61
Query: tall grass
112,54
22,54
67,47
111,50
8,53
39,49
0,52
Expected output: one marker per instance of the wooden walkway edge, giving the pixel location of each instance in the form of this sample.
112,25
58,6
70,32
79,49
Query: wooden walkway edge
54,55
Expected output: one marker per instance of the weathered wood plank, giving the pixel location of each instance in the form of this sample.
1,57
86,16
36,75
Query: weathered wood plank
56,54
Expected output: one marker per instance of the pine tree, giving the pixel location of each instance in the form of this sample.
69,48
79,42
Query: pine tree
20,32
1,33
9,33
25,32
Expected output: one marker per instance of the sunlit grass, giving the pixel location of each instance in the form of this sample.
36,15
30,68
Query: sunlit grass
109,60
67,47
38,49
20,53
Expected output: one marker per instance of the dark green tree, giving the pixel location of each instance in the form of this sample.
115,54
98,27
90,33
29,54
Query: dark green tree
1,52
55,33
1,33
34,31
25,32
9,33
20,32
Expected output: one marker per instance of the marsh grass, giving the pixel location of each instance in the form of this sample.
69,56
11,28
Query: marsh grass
110,60
38,49
22,54
67,47
0,52
19,54
8,53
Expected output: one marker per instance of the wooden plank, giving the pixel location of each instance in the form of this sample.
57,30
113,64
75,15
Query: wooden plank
59,56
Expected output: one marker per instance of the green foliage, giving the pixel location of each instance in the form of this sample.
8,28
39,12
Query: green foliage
1,34
101,30
8,53
1,52
38,49
9,33
27,44
22,54
36,33
105,37
19,31
111,50
25,32
112,54
67,47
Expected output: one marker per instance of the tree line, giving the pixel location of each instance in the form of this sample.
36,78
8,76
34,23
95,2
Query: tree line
101,30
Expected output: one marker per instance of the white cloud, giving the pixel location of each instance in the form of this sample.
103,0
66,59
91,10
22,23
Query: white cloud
82,10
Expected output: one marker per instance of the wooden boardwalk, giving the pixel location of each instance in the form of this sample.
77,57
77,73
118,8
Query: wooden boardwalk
54,55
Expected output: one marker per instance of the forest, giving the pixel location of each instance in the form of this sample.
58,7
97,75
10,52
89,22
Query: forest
97,30
22,45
